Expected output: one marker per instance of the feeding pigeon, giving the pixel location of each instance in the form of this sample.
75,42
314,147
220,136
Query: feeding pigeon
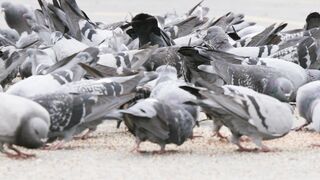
246,112
23,123
70,114
160,123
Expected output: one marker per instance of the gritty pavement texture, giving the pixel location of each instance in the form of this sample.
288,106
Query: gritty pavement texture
107,154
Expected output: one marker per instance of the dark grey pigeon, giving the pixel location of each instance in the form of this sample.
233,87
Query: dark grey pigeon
308,98
27,125
70,112
14,15
190,66
10,60
156,121
246,112
145,27
266,80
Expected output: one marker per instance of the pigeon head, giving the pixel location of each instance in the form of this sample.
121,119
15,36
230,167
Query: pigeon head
10,34
280,88
144,23
166,73
32,133
312,20
5,6
217,38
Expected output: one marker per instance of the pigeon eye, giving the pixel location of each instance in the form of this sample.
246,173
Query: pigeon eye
37,133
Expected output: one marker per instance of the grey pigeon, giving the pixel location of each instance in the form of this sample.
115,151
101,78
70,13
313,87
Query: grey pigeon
14,15
11,34
308,104
27,125
262,79
246,112
61,74
218,39
10,60
163,118
267,80
160,123
69,112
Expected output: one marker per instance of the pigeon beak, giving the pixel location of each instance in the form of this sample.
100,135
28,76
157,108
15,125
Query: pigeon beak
288,95
44,140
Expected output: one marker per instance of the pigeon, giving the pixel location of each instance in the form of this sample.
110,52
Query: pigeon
54,80
70,112
218,40
307,104
14,16
305,53
26,125
190,63
163,118
262,79
160,123
145,27
246,112
10,60
268,80
268,36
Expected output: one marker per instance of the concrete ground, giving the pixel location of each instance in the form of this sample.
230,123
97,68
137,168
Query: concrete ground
107,155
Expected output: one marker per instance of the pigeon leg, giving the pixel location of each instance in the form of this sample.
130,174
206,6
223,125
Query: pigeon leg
236,140
162,149
19,154
137,146
219,135
55,146
217,125
262,147
86,135
300,128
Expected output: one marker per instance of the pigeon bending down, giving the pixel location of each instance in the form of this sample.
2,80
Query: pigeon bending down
22,123
159,122
70,114
246,112
308,104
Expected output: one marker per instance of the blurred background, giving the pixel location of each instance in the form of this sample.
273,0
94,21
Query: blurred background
263,12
